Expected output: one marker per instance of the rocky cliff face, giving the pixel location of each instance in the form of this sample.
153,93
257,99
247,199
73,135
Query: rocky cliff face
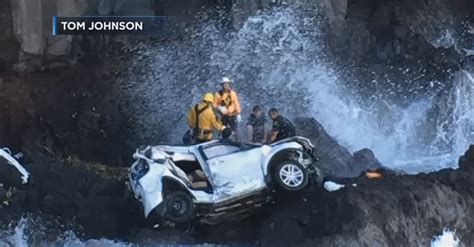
89,194
30,22
72,113
7,56
395,210
387,29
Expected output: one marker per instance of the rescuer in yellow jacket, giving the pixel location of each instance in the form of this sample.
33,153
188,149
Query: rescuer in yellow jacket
227,102
202,120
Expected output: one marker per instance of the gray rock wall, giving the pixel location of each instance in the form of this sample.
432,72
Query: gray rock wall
32,26
5,20
28,25
9,55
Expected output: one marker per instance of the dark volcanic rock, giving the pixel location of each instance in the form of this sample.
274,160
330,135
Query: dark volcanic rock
335,159
92,195
396,210
392,211
365,159
466,162
72,112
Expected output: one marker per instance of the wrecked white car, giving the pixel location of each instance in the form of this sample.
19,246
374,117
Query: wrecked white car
219,179
11,159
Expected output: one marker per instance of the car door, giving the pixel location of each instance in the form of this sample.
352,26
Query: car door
235,172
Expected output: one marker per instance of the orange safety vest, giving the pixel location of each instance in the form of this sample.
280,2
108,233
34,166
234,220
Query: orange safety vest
229,100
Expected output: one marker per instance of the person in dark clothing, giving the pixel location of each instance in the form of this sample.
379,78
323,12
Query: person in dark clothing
256,125
282,127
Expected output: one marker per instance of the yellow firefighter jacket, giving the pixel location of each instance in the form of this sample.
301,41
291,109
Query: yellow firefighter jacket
202,120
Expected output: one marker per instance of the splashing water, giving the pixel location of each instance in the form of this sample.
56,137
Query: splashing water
463,116
36,231
27,232
446,239
277,59
18,238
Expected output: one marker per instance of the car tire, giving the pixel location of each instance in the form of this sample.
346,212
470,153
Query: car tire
290,175
179,207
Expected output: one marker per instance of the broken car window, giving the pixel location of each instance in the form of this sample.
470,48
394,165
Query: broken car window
220,150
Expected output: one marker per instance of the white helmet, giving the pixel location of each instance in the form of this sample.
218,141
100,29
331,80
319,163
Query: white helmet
225,80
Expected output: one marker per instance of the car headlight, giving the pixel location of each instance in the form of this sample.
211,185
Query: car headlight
140,169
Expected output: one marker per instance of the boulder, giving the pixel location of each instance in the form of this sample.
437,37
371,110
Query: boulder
364,159
466,162
335,159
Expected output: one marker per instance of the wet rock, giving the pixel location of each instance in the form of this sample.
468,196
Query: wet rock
241,10
335,159
3,192
5,20
27,63
365,159
91,194
466,162
394,210
335,10
88,112
9,51
399,32
59,45
469,155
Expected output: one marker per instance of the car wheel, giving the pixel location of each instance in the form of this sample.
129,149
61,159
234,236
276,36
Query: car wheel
291,175
179,207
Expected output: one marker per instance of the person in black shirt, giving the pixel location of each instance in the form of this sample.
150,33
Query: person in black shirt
256,125
282,127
